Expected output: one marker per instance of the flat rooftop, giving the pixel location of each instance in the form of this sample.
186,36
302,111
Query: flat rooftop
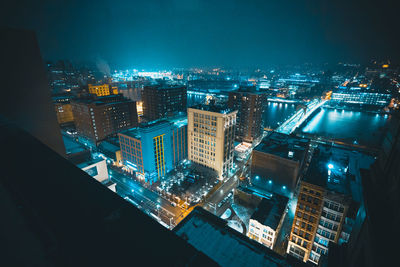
331,168
211,235
270,211
90,162
281,145
213,108
71,146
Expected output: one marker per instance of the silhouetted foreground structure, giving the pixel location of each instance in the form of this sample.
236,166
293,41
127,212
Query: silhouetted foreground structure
25,95
376,229
54,214
211,235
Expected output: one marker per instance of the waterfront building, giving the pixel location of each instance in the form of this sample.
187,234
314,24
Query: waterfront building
154,148
277,162
211,132
250,105
266,221
361,97
97,118
325,196
163,100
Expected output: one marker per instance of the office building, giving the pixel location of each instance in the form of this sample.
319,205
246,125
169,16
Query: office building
361,97
63,108
325,195
266,221
102,89
250,105
211,133
154,148
277,162
163,100
97,118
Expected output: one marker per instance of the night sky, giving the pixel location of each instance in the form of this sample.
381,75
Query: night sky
188,33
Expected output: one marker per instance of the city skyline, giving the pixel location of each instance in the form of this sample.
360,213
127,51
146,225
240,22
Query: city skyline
229,34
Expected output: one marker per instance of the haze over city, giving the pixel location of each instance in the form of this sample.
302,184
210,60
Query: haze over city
199,133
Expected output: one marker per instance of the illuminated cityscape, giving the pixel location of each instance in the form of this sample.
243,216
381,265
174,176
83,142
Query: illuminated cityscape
197,134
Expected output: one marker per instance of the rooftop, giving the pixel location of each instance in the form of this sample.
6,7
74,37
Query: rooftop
270,211
331,168
284,146
71,146
211,235
213,108
90,162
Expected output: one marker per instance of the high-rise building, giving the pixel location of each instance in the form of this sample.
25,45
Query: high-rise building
154,148
211,133
102,89
97,118
250,105
325,195
163,100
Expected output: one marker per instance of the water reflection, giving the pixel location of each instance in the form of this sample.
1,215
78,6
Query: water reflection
366,128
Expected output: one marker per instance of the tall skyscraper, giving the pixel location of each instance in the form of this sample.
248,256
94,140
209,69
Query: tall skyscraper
97,118
211,133
163,100
250,105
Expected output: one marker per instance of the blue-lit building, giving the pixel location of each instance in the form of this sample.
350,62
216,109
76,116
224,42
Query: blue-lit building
361,97
153,149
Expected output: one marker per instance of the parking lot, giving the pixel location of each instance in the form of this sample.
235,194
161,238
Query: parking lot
188,183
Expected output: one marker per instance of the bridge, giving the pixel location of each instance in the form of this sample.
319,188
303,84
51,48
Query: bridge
300,116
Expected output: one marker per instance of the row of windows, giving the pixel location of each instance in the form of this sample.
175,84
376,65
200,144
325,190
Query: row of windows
329,225
203,116
306,217
310,191
334,206
326,234
301,233
307,208
331,216
309,199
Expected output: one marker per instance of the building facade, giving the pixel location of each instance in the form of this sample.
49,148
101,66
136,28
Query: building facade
277,162
153,149
266,221
211,133
102,89
250,105
97,118
325,196
361,97
163,100
63,108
